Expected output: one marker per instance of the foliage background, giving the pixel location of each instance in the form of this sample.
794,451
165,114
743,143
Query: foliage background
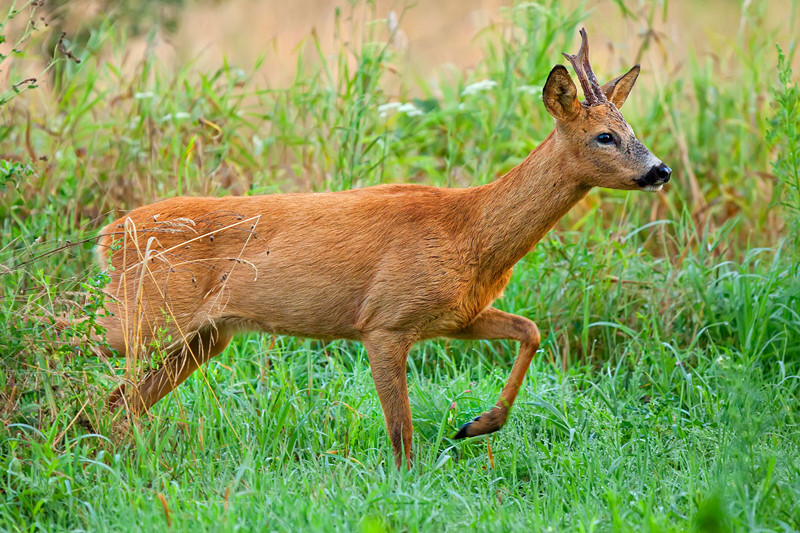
666,391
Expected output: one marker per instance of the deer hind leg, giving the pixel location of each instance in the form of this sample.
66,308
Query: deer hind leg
388,353
495,324
177,366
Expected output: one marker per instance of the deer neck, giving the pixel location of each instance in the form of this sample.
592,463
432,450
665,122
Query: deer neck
518,209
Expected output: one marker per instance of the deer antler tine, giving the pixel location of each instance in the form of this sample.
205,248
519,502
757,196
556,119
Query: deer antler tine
580,62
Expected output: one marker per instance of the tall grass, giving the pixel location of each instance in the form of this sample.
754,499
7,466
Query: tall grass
784,134
666,392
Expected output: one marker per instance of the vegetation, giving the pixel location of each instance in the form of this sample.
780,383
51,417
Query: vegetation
666,393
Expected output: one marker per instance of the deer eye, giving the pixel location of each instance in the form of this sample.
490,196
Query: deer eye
605,138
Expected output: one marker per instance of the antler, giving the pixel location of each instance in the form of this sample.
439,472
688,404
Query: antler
580,62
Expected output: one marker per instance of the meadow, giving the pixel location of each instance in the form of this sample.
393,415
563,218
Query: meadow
666,392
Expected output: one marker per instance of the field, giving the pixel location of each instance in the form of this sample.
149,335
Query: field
666,393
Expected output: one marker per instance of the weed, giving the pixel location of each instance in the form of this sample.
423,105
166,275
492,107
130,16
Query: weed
784,135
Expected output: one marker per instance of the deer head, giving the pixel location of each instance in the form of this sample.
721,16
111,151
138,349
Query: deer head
602,146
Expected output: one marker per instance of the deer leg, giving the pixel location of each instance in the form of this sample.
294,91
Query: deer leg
177,366
388,353
495,324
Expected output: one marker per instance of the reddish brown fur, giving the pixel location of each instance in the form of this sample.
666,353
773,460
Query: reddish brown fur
389,265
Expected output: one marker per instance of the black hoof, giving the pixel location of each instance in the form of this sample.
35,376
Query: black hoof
462,431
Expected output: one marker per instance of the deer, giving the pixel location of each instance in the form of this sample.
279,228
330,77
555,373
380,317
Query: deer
389,265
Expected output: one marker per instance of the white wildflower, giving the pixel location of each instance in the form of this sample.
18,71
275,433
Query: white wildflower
391,21
410,110
534,90
239,74
479,86
384,109
180,115
407,108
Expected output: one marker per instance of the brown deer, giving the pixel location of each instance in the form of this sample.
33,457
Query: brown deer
389,265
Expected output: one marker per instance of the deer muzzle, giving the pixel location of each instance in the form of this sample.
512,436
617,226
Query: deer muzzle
657,176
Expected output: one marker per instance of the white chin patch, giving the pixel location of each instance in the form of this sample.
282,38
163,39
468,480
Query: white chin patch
653,188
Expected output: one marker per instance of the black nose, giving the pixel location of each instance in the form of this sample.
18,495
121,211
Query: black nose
662,173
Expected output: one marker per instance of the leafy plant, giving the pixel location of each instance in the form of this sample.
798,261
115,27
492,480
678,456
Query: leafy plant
784,136
27,9
12,172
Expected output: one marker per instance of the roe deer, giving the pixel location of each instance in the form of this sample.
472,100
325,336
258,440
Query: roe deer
389,265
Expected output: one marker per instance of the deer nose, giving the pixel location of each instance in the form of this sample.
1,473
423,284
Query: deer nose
662,172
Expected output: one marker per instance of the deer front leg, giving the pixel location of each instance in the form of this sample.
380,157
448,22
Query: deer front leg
388,353
495,324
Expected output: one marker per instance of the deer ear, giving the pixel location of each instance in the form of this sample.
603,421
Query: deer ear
559,94
618,89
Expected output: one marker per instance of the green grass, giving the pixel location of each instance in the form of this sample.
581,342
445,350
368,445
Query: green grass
665,397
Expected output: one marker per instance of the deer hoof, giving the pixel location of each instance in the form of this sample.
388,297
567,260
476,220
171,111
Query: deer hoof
463,431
